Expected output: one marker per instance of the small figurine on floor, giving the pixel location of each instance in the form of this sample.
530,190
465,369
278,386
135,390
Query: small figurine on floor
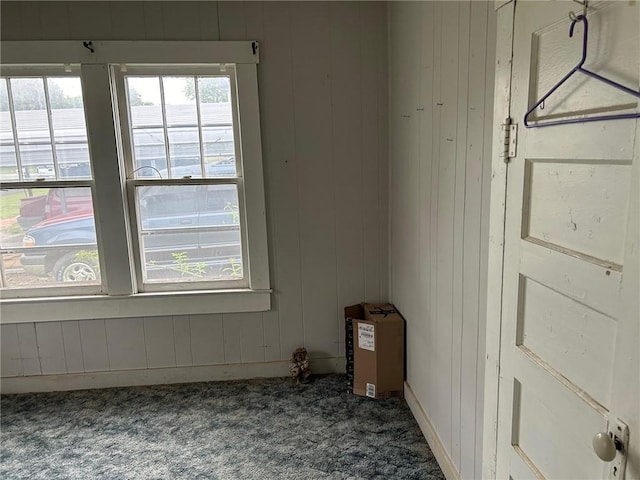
300,365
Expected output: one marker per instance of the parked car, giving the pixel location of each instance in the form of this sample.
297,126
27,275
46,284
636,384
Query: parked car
185,231
65,236
57,201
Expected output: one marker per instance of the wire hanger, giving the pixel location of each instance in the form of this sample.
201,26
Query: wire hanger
579,68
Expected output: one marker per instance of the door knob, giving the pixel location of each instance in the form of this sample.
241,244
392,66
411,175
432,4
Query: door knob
604,446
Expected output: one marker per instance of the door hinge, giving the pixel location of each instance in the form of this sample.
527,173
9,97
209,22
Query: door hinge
510,138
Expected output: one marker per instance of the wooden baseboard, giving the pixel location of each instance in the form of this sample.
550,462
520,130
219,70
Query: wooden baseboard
438,449
160,376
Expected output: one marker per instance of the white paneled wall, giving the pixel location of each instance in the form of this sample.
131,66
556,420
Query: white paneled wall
323,100
441,86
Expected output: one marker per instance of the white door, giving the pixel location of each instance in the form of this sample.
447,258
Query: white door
569,342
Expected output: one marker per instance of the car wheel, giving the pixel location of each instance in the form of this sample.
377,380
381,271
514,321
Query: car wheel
71,269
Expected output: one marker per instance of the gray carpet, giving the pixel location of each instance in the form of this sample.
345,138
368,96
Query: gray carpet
257,429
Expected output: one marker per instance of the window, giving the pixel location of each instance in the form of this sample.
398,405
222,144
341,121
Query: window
186,175
43,141
131,172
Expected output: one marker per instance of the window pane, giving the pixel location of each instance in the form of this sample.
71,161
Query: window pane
69,127
189,233
184,150
48,237
147,126
150,153
180,100
32,125
163,110
215,100
144,101
217,121
219,152
8,161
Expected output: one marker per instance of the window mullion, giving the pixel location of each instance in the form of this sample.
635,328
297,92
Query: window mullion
164,127
200,139
14,131
108,191
3,280
47,102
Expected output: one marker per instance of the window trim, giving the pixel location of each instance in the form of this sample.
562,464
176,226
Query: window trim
113,230
55,309
39,52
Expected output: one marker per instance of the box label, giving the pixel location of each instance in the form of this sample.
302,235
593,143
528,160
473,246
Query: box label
371,390
366,337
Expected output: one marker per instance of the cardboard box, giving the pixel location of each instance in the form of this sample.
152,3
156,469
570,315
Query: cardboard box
377,349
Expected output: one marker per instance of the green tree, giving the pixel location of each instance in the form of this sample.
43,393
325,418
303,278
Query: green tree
211,89
28,94
135,99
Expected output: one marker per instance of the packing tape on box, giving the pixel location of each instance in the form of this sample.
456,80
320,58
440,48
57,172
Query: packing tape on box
382,311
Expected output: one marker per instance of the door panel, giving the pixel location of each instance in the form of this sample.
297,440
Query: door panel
566,244
574,340
549,406
581,279
559,215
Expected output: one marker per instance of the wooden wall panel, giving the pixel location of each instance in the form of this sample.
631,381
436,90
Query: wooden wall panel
10,360
440,162
461,161
72,346
369,59
346,98
207,340
484,233
29,349
405,32
422,333
234,26
232,331
281,173
271,325
53,30
381,137
181,20
127,19
11,21
159,342
93,336
31,17
312,87
153,20
252,337
209,21
445,218
473,213
90,21
435,189
126,344
51,348
182,340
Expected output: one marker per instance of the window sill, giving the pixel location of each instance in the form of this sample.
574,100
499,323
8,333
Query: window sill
24,310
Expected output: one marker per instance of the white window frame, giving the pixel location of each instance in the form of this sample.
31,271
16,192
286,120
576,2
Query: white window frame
124,297
44,71
133,182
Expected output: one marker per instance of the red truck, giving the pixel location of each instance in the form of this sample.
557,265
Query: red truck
56,202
